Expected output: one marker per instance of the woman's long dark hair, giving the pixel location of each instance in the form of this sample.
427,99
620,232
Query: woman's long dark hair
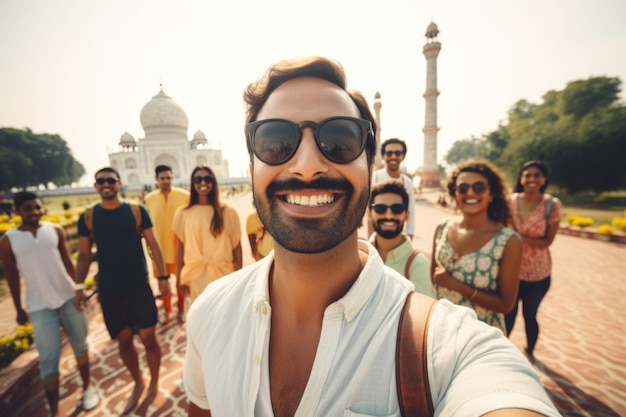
498,210
217,223
519,188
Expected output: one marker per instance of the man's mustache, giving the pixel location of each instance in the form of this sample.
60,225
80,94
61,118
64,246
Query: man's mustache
379,223
294,184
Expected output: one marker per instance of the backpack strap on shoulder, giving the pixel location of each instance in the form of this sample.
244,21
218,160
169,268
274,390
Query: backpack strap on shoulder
547,212
407,266
411,360
134,207
548,208
88,218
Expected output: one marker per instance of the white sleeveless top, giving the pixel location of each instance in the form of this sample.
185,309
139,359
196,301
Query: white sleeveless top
48,285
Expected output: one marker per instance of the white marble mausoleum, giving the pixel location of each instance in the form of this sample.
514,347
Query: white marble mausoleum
166,142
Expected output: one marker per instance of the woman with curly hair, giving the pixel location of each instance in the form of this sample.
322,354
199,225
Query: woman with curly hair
208,235
476,256
537,216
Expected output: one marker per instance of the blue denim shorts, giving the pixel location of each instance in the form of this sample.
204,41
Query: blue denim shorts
47,326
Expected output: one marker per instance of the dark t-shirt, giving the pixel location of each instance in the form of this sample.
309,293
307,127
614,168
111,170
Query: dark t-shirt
121,260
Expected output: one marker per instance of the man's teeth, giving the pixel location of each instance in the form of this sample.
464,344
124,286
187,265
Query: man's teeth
310,200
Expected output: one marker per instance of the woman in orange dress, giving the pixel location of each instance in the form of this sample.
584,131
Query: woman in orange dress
208,235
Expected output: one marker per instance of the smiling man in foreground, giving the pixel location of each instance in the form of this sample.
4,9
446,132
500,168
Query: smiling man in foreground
311,330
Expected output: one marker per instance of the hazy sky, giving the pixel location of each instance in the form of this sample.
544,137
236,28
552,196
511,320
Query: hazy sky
84,69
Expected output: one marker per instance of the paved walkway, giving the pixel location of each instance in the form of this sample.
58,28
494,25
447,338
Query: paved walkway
580,355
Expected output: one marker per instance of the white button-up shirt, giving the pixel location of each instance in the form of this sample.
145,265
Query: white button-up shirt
353,374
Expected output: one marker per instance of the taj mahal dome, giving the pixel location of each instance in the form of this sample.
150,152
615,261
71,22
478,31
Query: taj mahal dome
166,142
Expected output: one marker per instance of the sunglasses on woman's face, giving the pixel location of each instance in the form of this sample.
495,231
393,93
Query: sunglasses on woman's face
382,208
340,139
207,178
478,187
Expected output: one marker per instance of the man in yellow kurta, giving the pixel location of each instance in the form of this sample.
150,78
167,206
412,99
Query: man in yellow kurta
162,205
209,241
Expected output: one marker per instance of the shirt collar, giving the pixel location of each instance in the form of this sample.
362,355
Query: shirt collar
364,286
355,298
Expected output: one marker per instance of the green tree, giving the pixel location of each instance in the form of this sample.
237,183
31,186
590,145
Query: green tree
29,159
464,149
582,97
579,132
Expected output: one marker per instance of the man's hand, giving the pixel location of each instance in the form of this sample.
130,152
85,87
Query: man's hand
22,316
164,287
80,300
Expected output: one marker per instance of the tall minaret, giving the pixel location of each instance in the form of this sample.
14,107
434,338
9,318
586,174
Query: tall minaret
378,164
430,171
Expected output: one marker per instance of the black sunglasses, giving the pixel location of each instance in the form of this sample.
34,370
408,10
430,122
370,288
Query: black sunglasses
341,139
392,153
382,208
207,178
110,181
479,187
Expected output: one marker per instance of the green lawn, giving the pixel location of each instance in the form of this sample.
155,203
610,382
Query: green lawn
599,216
602,208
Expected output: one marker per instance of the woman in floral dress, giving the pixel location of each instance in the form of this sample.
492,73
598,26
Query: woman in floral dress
537,215
476,256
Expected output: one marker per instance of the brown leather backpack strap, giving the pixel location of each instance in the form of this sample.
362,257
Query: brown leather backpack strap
411,360
134,208
407,266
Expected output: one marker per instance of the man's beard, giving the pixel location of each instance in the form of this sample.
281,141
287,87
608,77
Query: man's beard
311,235
388,234
109,196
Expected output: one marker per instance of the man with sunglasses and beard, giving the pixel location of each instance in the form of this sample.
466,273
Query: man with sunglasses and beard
393,152
388,212
310,330
125,295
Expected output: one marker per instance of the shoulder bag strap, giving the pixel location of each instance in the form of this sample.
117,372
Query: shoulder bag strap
548,208
407,266
88,219
548,211
134,208
411,359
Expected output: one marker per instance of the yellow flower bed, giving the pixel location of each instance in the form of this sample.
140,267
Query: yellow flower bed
605,230
65,218
579,221
619,223
11,347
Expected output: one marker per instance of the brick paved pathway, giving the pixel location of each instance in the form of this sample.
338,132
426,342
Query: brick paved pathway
580,354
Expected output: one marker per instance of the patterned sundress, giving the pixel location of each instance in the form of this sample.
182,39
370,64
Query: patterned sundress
478,269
